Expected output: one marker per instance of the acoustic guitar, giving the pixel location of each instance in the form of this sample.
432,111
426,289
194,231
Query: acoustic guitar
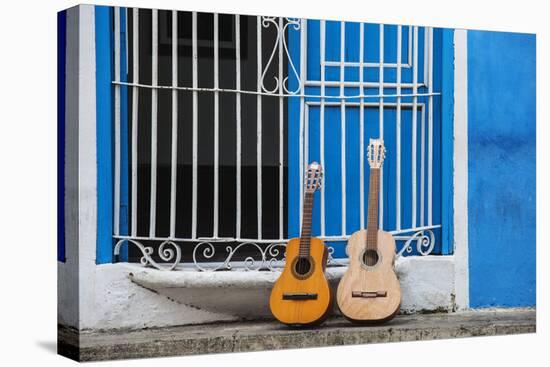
369,291
301,295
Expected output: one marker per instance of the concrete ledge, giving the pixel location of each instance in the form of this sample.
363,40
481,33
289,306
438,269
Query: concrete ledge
238,293
130,296
241,294
269,335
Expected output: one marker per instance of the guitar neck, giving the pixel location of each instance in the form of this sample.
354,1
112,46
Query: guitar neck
305,236
372,216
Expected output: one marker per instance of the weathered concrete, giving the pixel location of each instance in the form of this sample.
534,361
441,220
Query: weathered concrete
268,335
240,294
184,297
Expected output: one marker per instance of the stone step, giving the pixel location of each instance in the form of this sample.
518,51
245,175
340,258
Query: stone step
246,336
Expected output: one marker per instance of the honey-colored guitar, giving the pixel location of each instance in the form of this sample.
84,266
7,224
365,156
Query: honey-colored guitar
301,295
369,291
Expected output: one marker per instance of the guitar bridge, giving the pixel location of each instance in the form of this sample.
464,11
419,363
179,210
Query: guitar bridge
299,296
374,294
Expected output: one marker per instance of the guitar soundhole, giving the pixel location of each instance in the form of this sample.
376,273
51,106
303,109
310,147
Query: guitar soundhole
302,266
370,257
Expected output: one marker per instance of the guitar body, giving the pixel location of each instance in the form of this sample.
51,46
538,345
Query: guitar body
370,307
291,284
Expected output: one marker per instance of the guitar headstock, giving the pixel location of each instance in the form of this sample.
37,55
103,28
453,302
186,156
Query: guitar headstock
376,152
314,177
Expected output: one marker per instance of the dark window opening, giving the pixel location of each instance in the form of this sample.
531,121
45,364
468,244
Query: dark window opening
227,131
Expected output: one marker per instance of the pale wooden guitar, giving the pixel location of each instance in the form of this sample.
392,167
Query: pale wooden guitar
301,295
369,291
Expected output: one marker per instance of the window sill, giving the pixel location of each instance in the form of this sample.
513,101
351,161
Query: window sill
191,278
245,294
239,293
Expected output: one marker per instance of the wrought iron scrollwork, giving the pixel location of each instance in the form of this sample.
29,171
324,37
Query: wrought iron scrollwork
425,242
170,255
263,257
281,28
267,256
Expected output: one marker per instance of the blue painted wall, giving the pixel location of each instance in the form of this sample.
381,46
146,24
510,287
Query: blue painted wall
501,168
61,55
105,133
104,67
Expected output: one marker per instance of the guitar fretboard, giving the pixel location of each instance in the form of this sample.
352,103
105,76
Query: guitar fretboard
372,215
305,236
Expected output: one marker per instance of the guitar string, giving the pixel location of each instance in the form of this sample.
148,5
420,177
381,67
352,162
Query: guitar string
372,219
305,237
301,249
369,225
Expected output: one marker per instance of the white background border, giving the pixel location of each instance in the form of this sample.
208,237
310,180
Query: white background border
28,182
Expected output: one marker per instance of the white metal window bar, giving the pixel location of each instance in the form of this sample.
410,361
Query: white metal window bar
269,250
